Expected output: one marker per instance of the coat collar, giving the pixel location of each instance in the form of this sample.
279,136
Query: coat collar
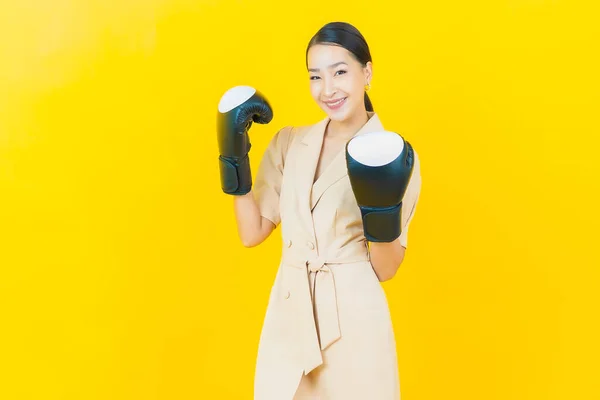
308,158
314,135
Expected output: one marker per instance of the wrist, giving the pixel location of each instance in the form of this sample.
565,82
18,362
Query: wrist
381,225
236,176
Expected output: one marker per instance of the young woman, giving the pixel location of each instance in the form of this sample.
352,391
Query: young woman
327,332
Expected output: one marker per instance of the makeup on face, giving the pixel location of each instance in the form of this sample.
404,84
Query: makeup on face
336,80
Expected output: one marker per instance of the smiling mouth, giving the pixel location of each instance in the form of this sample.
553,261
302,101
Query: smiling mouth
335,103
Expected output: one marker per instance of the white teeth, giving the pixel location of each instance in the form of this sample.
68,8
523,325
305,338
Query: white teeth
337,102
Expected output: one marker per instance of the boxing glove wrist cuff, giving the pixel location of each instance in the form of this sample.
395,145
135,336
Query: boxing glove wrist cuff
381,224
236,177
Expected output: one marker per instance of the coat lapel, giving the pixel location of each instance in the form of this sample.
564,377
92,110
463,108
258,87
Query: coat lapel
338,168
307,158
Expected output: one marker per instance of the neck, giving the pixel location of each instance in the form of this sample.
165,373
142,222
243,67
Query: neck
348,127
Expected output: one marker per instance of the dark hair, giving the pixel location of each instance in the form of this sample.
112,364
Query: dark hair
347,36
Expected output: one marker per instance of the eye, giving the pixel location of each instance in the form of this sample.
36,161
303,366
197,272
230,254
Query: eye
341,71
312,78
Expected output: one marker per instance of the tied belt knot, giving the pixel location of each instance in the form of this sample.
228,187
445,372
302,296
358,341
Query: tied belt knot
320,325
324,301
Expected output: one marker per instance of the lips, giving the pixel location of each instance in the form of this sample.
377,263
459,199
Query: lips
334,105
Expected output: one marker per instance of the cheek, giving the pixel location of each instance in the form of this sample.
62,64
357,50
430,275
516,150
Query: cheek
357,93
351,86
357,87
315,89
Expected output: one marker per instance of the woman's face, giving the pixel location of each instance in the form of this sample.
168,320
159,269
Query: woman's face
337,81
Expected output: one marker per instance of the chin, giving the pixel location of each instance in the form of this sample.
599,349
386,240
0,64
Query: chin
338,115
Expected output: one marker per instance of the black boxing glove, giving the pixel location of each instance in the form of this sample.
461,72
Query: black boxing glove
238,108
380,166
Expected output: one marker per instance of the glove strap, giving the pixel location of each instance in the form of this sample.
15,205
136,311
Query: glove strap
381,224
236,177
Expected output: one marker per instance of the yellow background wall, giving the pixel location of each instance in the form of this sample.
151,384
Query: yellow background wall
121,273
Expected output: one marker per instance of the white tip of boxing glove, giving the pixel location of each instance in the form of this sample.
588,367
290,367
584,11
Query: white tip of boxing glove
375,149
234,97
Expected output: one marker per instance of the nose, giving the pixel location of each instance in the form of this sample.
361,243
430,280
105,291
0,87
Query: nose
328,87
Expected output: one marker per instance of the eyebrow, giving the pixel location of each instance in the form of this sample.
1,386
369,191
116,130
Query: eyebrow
331,66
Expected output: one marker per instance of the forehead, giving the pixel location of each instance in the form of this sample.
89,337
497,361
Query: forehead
321,56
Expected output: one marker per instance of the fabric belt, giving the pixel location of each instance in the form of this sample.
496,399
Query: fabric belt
325,309
319,319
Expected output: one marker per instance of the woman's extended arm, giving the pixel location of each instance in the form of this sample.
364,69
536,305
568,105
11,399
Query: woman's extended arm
252,227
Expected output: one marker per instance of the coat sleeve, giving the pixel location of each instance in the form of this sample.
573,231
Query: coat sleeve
410,200
267,185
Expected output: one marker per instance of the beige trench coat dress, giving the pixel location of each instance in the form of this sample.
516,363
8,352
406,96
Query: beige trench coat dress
327,332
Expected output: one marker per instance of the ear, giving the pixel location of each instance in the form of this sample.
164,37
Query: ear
368,70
